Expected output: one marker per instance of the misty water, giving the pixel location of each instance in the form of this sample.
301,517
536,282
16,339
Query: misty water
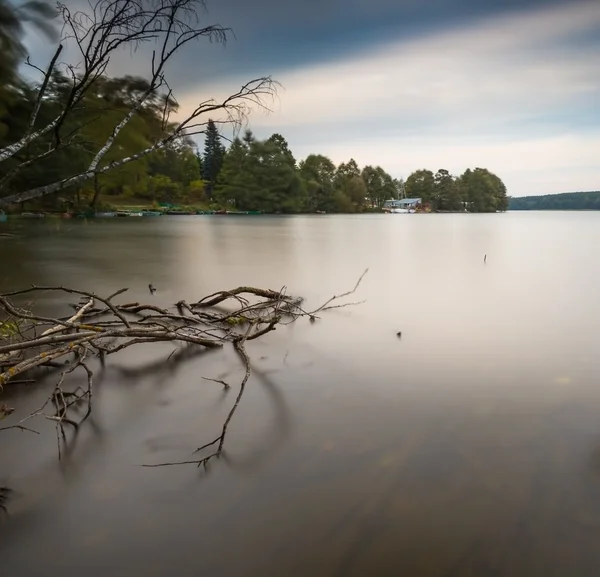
469,447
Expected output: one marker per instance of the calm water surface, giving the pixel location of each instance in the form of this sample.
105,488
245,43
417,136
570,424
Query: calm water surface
470,447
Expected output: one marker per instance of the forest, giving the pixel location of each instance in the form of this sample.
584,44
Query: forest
565,201
112,143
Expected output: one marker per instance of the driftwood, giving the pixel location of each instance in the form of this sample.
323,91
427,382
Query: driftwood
100,327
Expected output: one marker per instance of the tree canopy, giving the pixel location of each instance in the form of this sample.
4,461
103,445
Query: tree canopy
477,190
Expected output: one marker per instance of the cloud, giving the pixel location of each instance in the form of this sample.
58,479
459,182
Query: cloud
515,94
509,66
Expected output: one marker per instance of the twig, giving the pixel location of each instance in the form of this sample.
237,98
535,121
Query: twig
225,385
333,298
19,427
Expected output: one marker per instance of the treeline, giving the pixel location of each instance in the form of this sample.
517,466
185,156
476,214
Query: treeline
476,190
249,174
564,201
263,175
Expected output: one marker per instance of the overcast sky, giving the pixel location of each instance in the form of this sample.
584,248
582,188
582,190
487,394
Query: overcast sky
510,85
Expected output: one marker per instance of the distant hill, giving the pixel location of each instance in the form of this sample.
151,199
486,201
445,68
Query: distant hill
564,201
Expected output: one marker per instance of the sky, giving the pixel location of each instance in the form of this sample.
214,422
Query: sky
509,85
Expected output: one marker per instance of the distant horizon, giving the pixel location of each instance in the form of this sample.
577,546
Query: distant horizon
554,193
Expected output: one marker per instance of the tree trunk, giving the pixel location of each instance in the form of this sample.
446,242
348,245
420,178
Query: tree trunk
96,192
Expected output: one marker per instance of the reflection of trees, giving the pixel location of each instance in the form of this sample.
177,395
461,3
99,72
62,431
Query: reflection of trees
79,251
237,241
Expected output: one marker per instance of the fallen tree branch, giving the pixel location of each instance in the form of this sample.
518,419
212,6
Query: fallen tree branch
71,344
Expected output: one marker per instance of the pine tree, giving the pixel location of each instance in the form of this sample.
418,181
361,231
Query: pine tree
214,153
200,163
233,183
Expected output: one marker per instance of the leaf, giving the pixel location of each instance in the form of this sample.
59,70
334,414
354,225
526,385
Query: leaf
5,411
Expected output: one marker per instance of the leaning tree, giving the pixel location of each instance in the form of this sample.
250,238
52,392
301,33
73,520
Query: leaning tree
102,33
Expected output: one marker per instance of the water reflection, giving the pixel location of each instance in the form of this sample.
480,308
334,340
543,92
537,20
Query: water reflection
467,448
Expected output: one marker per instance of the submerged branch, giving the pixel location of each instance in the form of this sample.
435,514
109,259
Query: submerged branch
29,341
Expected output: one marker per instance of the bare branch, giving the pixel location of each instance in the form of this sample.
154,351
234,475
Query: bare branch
12,149
73,319
42,89
39,341
225,384
326,306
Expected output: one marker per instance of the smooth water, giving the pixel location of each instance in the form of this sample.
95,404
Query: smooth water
469,447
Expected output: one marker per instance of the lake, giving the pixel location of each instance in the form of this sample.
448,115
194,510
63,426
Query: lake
469,447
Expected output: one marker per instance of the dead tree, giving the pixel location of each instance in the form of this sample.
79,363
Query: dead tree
99,327
99,34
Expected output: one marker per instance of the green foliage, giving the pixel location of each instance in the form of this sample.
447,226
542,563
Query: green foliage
380,185
317,172
260,175
483,191
476,190
214,153
164,175
13,17
8,328
421,184
446,193
565,201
